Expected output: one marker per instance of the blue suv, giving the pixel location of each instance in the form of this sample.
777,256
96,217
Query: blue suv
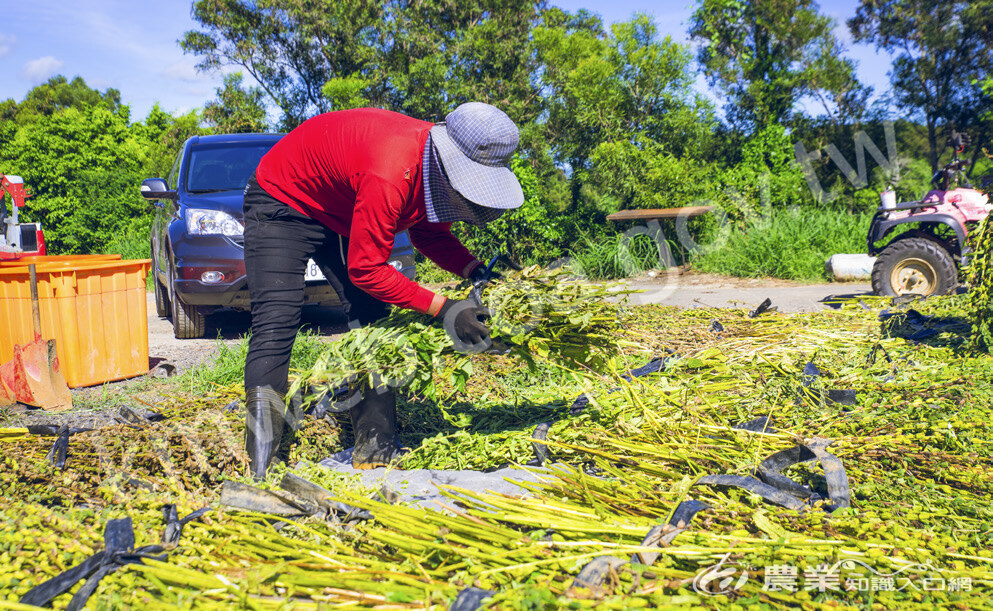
198,257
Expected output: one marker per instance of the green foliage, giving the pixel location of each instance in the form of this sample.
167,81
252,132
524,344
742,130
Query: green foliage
767,174
538,316
237,109
981,287
421,58
621,112
227,368
793,244
83,166
531,234
59,94
83,159
942,51
768,55
347,92
165,134
612,256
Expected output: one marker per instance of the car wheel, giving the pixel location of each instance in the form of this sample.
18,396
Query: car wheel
914,266
188,322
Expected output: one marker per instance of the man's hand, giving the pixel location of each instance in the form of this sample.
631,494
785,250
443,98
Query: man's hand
479,271
464,320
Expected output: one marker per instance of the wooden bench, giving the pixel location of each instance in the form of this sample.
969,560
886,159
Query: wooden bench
656,214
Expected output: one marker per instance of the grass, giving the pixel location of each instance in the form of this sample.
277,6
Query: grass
132,243
228,368
613,256
789,244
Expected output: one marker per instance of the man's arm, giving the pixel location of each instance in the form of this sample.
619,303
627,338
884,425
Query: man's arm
436,242
370,242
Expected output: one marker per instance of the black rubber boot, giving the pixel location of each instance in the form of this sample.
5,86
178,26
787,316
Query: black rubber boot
374,422
263,427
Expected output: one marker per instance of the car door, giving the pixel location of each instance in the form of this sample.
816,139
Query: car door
164,213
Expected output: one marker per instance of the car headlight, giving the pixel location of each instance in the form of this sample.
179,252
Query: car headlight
212,222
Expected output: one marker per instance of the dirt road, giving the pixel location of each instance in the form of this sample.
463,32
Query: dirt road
226,327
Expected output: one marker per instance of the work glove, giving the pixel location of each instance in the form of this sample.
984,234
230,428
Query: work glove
477,274
465,322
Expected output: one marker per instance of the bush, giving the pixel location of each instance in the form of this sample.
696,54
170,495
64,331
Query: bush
614,256
792,244
530,234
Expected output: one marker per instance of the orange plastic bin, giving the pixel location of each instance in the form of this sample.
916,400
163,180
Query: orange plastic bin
61,259
95,310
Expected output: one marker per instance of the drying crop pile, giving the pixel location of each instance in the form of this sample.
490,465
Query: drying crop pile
627,513
540,315
981,279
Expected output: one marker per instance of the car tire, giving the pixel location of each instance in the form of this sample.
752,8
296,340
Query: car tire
161,295
188,322
161,301
914,266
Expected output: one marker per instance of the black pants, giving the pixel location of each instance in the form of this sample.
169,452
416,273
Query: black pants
278,242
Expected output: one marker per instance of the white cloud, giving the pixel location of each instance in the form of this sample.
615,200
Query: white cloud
37,70
7,43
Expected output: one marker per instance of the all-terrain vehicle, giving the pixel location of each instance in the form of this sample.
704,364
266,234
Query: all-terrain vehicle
928,236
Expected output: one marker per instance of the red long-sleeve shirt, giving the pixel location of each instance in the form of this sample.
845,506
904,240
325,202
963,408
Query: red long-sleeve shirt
358,172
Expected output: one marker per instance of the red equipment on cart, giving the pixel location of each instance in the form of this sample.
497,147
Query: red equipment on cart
17,239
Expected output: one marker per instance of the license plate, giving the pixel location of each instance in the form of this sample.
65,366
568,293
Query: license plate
313,272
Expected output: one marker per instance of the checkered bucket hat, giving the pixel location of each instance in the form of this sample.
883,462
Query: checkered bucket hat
473,148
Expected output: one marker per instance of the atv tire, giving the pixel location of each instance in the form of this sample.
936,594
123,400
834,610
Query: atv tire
914,266
188,322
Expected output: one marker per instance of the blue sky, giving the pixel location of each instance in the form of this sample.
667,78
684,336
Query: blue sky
132,45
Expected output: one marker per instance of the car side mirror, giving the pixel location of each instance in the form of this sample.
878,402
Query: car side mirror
155,189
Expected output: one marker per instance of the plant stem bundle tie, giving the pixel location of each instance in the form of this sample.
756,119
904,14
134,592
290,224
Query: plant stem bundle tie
118,537
596,571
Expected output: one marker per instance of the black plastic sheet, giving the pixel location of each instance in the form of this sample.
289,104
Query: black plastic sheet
118,538
57,454
765,306
470,599
597,570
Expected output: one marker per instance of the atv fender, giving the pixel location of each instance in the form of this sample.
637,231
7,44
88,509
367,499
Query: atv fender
880,227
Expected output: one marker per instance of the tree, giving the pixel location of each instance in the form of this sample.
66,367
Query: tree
237,109
438,54
78,162
942,50
422,58
768,55
58,93
620,110
165,135
83,158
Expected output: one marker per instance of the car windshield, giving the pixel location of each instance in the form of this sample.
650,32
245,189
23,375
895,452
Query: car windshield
223,167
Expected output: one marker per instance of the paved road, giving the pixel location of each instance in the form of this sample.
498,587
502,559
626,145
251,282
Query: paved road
788,298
